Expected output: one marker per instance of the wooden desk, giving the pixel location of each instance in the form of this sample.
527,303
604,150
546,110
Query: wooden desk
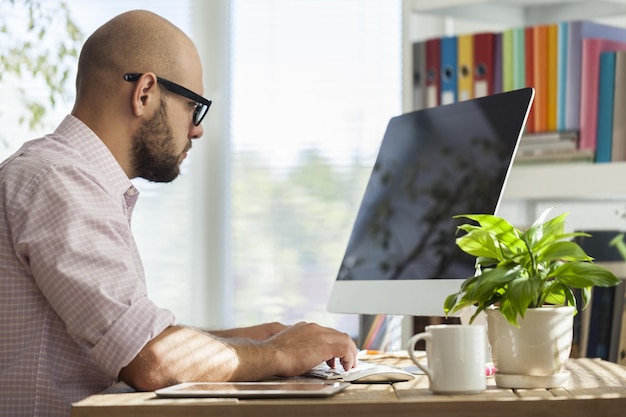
597,388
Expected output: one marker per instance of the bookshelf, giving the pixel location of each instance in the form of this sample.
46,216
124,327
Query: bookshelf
559,181
567,181
520,12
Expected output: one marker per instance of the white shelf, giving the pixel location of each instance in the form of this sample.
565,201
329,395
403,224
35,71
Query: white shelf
547,182
567,181
520,12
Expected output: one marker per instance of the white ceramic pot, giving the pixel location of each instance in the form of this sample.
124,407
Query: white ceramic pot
532,355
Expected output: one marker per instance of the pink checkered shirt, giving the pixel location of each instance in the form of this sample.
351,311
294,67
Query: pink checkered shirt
73,304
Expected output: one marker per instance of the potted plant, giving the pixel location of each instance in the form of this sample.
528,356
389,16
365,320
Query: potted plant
525,282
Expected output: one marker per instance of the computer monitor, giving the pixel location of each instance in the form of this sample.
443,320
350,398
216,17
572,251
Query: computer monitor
433,164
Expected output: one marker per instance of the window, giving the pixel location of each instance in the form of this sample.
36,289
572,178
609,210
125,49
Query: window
313,86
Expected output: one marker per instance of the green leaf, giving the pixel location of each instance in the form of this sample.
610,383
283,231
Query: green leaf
523,293
584,274
469,282
569,296
569,251
543,232
555,294
479,243
450,303
586,296
509,312
494,224
618,242
491,280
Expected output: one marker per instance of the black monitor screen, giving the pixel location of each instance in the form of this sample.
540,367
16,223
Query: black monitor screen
433,164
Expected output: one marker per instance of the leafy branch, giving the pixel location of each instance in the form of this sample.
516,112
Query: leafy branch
39,44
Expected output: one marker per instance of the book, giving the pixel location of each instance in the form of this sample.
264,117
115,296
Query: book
529,72
600,323
554,136
606,89
484,62
552,77
547,144
465,61
448,70
433,63
540,76
544,150
497,63
562,76
508,78
549,147
606,303
592,48
519,58
618,139
565,156
576,32
419,75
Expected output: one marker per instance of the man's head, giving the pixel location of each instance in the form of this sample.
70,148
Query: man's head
138,86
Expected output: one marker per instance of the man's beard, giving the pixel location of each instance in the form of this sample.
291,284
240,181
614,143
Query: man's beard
154,150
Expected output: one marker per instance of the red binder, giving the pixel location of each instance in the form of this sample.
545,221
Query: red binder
433,62
484,62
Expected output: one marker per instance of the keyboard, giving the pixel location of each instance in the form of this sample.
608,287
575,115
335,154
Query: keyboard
366,372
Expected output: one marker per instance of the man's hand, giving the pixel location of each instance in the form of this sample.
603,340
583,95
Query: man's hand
305,345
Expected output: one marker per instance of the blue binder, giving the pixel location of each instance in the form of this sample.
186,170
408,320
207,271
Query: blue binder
448,70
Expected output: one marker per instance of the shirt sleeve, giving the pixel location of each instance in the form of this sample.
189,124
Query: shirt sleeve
74,236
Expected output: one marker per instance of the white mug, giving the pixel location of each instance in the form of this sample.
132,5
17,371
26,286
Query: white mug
456,358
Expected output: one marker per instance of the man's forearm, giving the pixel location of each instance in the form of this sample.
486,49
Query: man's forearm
182,354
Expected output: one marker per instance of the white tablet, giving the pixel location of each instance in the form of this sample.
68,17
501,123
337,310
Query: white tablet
266,389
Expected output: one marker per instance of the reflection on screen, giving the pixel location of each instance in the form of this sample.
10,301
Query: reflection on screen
432,165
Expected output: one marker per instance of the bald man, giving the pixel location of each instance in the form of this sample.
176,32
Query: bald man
75,316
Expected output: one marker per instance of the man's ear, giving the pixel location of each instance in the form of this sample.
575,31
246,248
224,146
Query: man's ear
144,94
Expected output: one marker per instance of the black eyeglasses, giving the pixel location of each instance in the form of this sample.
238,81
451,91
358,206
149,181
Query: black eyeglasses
202,104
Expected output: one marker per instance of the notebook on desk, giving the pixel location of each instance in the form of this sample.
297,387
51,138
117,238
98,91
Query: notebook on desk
286,388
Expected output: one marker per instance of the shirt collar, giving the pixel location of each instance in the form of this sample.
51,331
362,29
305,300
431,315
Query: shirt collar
93,150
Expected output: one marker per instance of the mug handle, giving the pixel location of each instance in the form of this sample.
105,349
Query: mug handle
411,350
